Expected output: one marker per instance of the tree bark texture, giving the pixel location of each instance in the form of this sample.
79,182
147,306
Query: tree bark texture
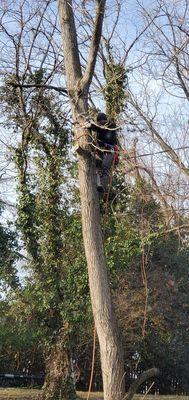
110,343
78,85
58,381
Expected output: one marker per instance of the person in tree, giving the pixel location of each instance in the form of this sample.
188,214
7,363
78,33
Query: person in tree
107,153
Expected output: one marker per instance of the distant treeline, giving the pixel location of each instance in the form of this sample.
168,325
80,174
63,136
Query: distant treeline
162,385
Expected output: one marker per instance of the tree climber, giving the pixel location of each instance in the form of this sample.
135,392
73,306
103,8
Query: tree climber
104,135
107,152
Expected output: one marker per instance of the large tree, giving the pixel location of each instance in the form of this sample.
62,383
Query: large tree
78,84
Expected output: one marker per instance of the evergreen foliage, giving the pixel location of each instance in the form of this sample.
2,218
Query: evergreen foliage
114,89
8,257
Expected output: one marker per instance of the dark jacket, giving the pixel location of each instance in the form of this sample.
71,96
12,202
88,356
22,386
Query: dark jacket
106,134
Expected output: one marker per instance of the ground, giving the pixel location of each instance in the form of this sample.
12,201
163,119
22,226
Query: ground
31,394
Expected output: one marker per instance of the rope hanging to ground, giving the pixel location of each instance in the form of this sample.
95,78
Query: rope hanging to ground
109,190
92,365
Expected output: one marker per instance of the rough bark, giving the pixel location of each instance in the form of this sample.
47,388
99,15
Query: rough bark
110,344
70,45
107,331
58,382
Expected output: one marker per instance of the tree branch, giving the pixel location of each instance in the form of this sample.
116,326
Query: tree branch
168,149
141,378
138,37
38,86
185,89
94,46
135,166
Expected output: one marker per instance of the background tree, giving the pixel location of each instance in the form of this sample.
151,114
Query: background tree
148,268
8,257
42,162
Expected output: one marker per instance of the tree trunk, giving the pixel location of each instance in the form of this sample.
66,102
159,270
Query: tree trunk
110,344
58,382
78,84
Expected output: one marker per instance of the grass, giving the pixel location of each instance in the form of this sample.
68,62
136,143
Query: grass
18,393
27,394
93,396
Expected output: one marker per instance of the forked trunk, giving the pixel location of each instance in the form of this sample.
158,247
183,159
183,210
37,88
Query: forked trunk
78,84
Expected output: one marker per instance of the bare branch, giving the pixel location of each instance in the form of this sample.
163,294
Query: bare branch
95,41
116,21
141,378
35,36
138,37
40,86
165,146
183,30
185,89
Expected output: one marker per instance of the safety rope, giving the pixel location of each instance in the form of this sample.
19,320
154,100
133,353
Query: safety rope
109,190
92,364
